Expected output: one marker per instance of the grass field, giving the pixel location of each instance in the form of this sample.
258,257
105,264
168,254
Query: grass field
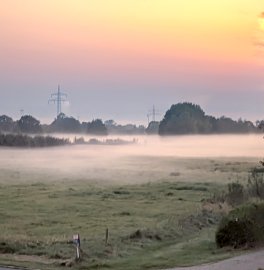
149,221
153,207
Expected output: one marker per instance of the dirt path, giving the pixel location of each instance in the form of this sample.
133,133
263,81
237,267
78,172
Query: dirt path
251,261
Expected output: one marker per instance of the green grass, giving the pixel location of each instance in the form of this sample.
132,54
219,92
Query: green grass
197,249
39,217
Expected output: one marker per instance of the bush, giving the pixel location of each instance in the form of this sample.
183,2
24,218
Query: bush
244,226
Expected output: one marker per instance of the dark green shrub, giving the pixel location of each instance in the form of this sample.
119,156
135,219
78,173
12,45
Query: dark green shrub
235,233
244,226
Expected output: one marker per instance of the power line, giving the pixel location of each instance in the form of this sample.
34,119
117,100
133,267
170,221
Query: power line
58,98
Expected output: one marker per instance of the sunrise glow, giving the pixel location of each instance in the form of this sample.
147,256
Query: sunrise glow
114,44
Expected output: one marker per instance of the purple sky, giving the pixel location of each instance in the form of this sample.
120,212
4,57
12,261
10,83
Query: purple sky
115,59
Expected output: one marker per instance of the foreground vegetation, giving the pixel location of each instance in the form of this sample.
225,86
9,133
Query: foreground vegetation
152,225
147,224
243,226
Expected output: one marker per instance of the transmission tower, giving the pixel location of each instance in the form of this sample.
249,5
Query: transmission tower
153,113
58,98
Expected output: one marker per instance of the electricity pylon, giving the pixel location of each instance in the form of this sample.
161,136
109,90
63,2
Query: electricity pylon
153,113
58,98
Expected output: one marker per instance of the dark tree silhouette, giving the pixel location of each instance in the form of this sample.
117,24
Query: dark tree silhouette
96,127
29,124
65,124
6,124
188,118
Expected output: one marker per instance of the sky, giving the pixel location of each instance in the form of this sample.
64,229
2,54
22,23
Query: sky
115,59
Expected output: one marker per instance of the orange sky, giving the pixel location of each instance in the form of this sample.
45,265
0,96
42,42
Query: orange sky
213,30
134,39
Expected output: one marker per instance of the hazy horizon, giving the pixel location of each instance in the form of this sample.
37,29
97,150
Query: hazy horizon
159,116
154,158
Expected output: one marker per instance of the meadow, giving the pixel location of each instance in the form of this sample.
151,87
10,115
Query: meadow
152,198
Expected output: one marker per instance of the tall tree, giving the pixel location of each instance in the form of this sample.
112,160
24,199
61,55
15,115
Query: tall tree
29,124
64,123
188,118
96,127
184,118
6,123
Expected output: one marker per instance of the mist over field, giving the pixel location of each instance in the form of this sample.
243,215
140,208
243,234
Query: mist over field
131,133
152,158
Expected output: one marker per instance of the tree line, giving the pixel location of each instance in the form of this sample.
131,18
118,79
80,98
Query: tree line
62,124
21,140
181,118
28,124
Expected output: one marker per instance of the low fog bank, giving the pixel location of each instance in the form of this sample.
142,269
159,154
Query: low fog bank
178,146
152,158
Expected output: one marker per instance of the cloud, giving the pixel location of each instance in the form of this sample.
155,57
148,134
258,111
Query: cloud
259,38
259,44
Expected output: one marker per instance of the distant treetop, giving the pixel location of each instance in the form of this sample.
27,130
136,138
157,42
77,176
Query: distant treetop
188,118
